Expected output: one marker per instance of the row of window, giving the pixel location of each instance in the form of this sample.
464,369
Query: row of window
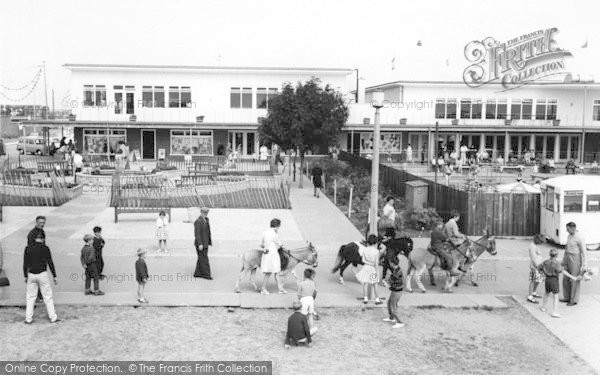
496,109
573,201
241,97
183,142
178,97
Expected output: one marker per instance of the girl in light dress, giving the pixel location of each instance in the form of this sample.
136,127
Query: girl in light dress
368,275
161,231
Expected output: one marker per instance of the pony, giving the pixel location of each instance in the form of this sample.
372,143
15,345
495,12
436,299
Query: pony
348,254
468,253
251,262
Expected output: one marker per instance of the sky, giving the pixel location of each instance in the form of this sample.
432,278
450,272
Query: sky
364,35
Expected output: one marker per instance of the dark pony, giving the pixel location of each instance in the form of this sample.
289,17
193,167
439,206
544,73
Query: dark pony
348,254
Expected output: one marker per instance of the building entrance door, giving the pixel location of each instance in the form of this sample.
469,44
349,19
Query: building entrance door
148,144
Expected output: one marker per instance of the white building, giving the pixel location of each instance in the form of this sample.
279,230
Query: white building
196,110
558,121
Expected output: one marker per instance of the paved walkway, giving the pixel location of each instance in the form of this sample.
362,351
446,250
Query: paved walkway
234,231
578,328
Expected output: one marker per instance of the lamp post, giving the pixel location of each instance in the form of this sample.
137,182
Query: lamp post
356,95
377,103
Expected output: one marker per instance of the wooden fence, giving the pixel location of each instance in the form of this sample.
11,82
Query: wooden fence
504,214
225,192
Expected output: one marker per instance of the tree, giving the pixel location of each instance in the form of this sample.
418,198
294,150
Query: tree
304,117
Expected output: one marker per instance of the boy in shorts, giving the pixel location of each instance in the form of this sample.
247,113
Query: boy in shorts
551,269
307,291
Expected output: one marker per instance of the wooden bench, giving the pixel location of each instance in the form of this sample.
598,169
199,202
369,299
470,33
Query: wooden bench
51,166
204,167
132,205
501,168
198,179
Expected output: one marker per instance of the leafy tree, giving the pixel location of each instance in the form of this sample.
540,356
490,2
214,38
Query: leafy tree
304,117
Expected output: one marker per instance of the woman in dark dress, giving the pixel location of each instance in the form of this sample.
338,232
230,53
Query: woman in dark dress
317,174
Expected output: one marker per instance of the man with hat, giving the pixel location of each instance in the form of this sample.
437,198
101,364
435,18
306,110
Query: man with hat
298,331
202,242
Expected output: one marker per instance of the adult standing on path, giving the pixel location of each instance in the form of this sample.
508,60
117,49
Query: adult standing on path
37,234
98,245
36,260
535,274
270,262
202,242
575,263
317,174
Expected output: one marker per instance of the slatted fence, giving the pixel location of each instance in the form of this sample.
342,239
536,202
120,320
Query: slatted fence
504,214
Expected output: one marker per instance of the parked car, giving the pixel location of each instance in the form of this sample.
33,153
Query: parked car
33,145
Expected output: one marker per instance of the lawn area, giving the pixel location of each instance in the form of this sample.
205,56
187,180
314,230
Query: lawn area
349,341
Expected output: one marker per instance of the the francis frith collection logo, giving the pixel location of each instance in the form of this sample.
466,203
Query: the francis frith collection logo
514,63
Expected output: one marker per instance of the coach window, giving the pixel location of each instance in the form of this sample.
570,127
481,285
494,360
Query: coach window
550,199
593,203
573,201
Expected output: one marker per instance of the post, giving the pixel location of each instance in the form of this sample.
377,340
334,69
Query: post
582,148
350,202
375,176
45,89
436,156
335,192
356,96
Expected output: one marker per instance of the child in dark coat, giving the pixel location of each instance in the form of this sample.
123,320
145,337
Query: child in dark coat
141,274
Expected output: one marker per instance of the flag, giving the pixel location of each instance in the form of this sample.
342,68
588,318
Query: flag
393,63
584,45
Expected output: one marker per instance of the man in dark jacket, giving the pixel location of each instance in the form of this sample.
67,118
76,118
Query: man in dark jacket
36,261
202,242
38,235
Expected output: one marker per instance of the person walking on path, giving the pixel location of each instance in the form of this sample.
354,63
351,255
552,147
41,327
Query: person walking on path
202,241
298,331
270,263
162,233
551,269
368,275
36,261
317,179
396,283
307,291
575,262
423,150
535,275
89,261
98,247
141,274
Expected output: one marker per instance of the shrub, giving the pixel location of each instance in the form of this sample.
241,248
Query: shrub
422,218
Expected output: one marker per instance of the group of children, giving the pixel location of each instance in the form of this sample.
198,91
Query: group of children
93,264
301,326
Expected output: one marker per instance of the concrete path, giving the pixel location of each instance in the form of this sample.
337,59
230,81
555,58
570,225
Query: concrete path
578,328
172,283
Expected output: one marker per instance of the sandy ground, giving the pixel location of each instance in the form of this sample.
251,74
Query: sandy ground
349,341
